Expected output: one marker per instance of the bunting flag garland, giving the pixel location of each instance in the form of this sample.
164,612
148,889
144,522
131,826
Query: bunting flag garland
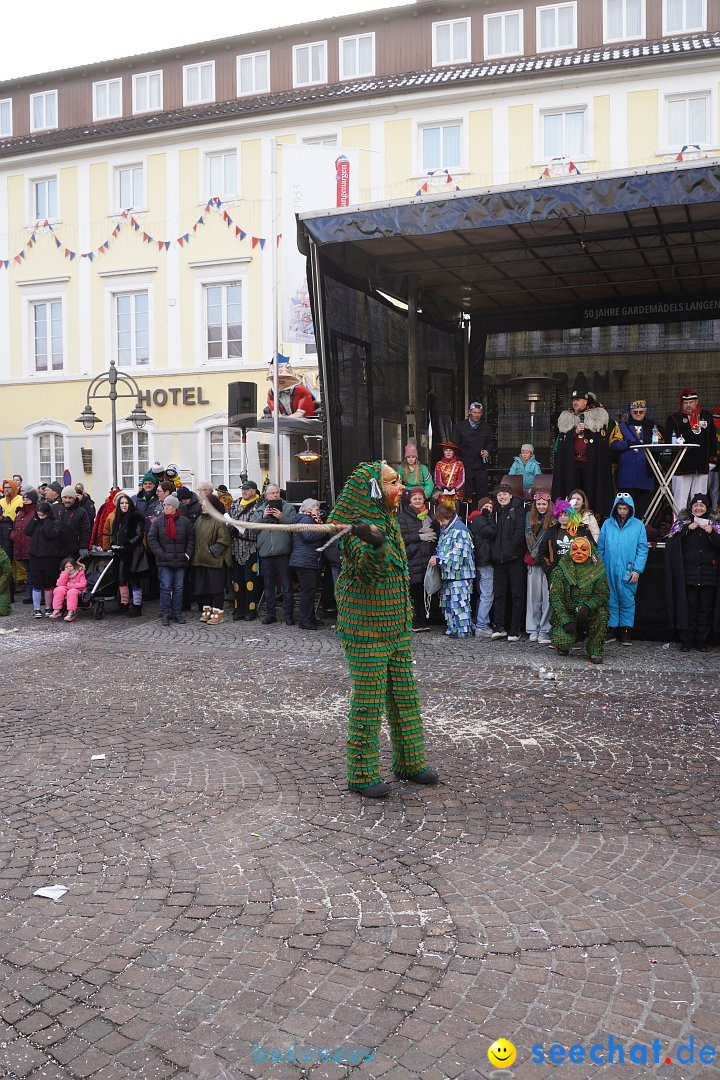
213,205
435,178
559,167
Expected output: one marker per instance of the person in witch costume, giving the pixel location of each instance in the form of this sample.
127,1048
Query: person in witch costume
695,427
582,451
374,624
692,574
579,597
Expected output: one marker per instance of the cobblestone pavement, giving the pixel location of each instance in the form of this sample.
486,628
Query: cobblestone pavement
227,897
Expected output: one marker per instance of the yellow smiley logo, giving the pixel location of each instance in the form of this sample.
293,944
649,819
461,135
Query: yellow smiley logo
501,1054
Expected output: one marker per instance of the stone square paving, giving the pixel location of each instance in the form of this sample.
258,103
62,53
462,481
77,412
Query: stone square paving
228,901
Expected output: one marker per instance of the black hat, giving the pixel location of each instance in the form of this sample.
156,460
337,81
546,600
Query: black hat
31,495
581,390
57,487
184,493
247,484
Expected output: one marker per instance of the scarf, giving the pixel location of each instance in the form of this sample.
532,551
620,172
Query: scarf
248,502
170,526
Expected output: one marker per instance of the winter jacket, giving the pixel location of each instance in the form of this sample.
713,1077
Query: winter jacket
89,507
44,536
623,547
169,551
418,548
269,541
483,529
193,510
426,483
75,529
509,542
9,507
243,547
527,469
21,542
142,502
77,583
305,544
692,558
211,534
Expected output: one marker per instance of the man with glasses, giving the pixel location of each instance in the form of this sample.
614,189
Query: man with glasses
633,472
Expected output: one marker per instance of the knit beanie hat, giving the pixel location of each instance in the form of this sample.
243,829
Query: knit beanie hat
172,500
149,478
68,492
31,495
183,493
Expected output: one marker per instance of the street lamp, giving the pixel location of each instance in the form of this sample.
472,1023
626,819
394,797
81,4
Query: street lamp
89,418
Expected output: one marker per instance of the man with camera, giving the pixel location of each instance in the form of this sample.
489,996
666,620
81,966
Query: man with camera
274,550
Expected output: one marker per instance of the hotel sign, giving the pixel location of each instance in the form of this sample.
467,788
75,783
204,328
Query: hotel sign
174,395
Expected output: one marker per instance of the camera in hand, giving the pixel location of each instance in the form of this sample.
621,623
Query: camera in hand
274,504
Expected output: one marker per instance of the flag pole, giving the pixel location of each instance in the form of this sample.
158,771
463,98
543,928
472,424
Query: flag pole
276,365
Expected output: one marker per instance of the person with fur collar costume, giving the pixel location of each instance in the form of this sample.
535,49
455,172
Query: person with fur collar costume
582,451
579,600
692,574
695,427
374,624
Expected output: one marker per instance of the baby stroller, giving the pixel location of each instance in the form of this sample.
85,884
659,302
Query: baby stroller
101,573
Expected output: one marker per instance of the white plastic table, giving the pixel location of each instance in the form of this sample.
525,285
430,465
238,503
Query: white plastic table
664,479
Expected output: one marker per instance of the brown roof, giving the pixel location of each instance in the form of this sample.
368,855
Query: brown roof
473,74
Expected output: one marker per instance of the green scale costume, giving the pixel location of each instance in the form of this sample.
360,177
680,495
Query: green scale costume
374,625
5,583
572,585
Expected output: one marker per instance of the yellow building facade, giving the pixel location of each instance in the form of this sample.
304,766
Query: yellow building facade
156,251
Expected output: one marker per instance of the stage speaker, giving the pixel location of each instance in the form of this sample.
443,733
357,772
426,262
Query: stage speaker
242,404
296,491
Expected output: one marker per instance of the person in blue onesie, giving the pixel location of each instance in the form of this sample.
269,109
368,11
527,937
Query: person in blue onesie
623,548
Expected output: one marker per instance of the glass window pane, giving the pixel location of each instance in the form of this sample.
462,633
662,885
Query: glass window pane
566,27
634,18
115,98
547,29
552,131
512,34
141,93
246,75
192,84
318,65
207,73
40,336
694,14
349,67
574,133
460,43
155,95
442,43
365,63
51,109
38,113
674,15
697,125
52,206
5,118
676,123
614,19
302,61
431,148
493,43
230,182
451,148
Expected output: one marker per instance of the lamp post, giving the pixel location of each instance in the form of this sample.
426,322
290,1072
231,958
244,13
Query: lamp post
89,418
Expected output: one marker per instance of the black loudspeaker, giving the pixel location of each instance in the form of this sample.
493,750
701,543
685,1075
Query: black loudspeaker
242,404
296,491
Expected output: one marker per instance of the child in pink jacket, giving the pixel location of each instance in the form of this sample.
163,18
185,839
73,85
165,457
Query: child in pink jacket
68,590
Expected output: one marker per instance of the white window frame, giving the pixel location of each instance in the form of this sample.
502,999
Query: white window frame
6,131
117,282
186,70
45,95
330,139
116,200
133,365
227,433
310,45
50,370
686,29
254,56
107,84
586,154
35,215
220,272
556,7
453,59
710,118
625,36
442,123
356,38
223,151
136,79
124,428
33,433
505,52
225,358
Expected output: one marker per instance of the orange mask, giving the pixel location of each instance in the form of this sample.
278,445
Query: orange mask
580,550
